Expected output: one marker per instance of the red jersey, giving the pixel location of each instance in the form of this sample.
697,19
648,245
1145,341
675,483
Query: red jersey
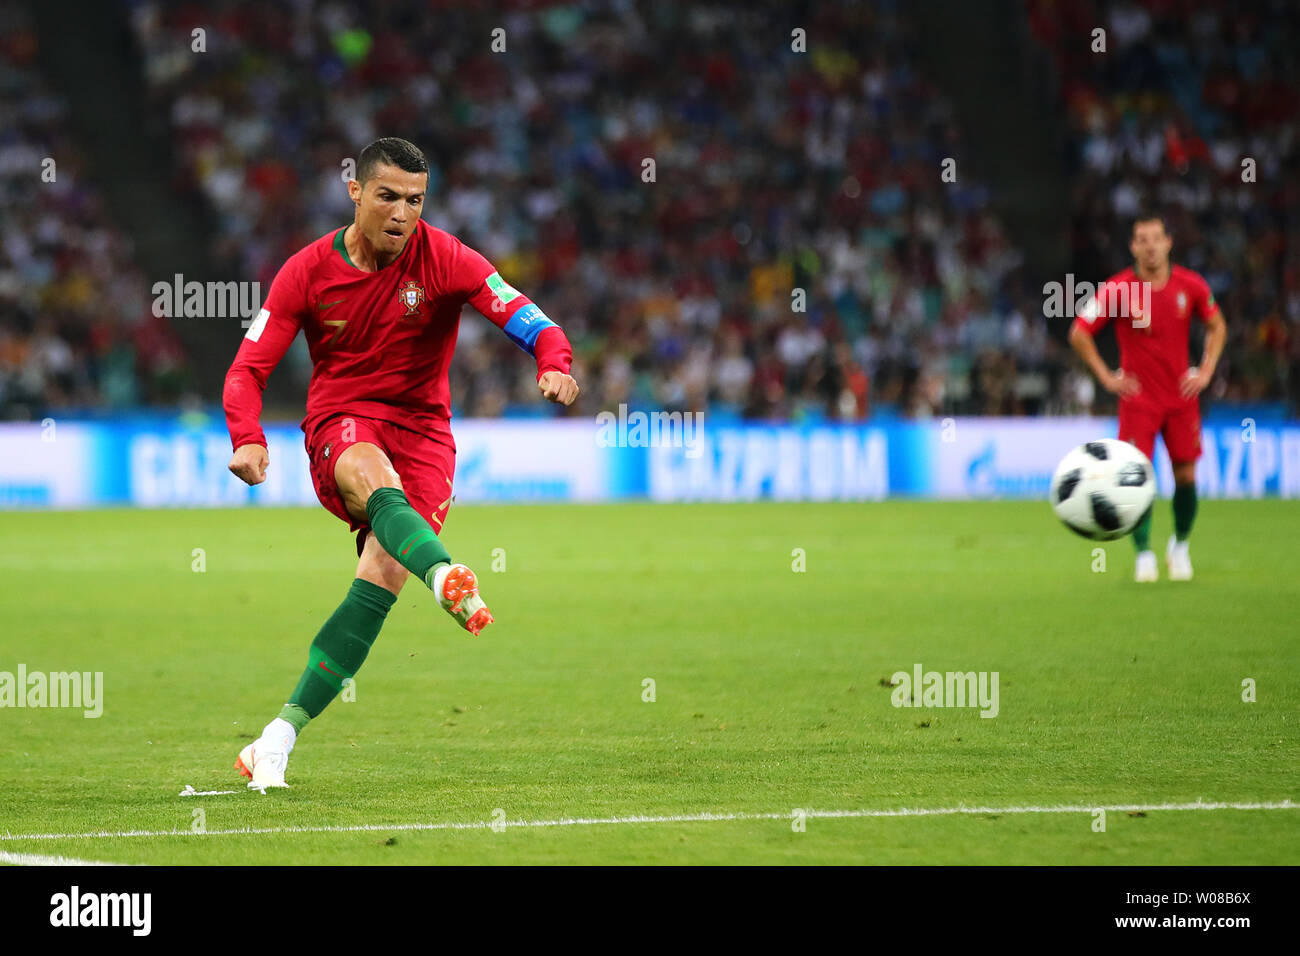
1153,336
381,342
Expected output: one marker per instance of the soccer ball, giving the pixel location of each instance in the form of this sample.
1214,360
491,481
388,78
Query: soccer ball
1103,489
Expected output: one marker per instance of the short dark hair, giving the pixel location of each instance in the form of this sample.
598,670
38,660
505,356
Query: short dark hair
390,151
1151,215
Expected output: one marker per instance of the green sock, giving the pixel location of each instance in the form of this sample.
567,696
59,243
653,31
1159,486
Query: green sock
1142,533
404,534
1184,510
294,715
339,650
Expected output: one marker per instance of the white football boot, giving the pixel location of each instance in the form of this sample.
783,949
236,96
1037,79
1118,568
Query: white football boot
1179,558
456,588
1147,568
265,760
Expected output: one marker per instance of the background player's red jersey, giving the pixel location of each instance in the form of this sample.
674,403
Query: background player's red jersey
1153,347
381,342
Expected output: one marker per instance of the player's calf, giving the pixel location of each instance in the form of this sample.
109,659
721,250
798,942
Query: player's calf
410,540
405,536
403,532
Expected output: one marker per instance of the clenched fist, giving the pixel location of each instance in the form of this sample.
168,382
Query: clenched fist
250,463
558,387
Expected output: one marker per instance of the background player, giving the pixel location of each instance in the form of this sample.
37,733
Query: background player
1157,390
379,302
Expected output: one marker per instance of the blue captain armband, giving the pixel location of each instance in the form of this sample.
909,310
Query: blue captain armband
525,325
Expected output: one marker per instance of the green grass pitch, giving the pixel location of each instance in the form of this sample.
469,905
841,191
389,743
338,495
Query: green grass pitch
769,688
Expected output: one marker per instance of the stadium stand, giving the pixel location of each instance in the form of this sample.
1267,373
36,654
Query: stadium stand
775,171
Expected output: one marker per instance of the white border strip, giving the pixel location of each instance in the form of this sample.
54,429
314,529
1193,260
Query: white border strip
674,818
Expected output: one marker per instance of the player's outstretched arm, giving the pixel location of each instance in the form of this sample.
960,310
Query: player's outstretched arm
264,345
523,322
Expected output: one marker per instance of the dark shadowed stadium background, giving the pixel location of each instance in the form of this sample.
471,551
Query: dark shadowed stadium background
206,140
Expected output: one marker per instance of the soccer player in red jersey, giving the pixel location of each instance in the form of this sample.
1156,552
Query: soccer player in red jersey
1152,304
379,302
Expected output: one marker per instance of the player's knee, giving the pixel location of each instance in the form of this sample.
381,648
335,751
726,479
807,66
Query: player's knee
360,470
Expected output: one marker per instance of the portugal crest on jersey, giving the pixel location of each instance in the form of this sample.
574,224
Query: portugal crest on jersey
411,295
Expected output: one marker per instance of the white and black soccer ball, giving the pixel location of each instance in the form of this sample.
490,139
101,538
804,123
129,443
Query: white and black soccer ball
1102,489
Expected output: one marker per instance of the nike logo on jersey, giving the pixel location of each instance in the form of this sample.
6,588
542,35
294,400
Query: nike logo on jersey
328,305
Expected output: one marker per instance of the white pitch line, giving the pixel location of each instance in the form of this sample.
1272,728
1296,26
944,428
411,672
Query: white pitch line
189,791
672,818
32,859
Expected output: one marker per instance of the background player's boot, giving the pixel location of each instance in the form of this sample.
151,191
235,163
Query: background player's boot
457,591
1147,567
1179,558
265,760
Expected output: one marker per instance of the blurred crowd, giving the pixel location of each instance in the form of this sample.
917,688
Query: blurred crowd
792,254
775,170
1193,107
76,329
